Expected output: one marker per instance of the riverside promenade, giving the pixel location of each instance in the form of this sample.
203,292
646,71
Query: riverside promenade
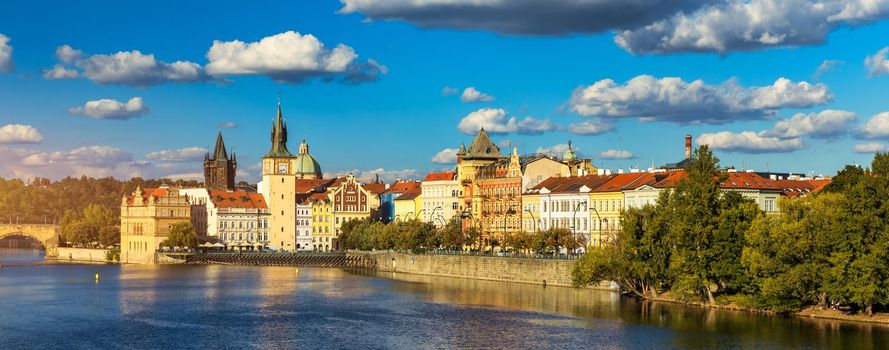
308,259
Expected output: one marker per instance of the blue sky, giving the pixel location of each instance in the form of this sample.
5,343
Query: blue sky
397,117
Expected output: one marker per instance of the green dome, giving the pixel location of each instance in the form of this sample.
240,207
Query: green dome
306,164
569,155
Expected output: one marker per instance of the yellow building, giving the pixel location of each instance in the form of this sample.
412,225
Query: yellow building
146,217
352,200
322,222
531,211
607,203
409,205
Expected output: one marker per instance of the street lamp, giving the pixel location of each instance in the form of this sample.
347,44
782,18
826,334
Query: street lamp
533,220
417,216
510,209
574,224
599,222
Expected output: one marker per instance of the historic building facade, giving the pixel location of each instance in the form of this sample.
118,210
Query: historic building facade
351,200
219,169
146,216
441,198
278,183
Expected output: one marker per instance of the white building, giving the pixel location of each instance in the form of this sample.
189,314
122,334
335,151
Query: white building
441,197
304,236
236,218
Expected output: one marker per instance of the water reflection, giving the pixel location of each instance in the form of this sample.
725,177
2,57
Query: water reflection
151,307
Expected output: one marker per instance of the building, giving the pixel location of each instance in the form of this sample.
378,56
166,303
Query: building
308,191
563,202
239,219
408,205
219,169
481,152
387,199
441,194
577,166
146,216
607,203
201,211
764,192
352,200
322,221
684,163
305,166
278,183
650,188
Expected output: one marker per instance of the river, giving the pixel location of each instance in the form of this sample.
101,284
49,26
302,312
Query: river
60,306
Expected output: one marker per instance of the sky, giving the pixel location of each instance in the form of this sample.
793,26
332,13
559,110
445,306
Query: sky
393,87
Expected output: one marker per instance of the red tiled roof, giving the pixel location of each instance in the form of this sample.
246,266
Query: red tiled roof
237,199
148,192
748,180
411,194
557,184
374,188
402,187
442,176
797,188
621,182
311,185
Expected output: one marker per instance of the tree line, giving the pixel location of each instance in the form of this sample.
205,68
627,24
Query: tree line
417,236
701,244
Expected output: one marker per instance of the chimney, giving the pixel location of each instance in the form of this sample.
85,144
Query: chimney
687,146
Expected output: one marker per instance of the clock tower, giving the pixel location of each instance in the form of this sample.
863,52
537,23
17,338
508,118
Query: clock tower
279,190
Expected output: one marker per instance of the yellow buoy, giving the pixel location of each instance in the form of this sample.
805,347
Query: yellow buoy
97,277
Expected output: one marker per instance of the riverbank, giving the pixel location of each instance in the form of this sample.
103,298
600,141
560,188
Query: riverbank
80,255
552,272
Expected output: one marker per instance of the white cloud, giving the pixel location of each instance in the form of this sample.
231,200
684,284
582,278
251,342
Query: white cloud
495,121
6,62
228,125
449,91
590,127
876,128
524,17
826,66
186,176
749,142
131,68
386,175
188,154
826,124
471,95
742,25
19,133
290,57
871,148
675,100
112,109
877,64
446,156
556,150
616,154
89,156
59,72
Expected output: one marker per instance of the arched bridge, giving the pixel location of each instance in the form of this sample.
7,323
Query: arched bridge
47,234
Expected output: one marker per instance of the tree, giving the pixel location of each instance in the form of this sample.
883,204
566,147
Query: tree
880,164
181,234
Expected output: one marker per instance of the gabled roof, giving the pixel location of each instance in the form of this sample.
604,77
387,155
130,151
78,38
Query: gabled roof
237,199
401,187
374,188
442,176
410,195
749,180
621,182
571,184
482,147
148,192
312,185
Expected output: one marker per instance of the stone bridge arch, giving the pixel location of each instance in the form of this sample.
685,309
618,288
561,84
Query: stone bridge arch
46,234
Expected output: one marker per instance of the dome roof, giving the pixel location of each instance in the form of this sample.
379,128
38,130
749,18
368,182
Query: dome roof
306,164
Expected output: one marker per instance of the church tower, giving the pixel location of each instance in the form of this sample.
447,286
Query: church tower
219,169
279,188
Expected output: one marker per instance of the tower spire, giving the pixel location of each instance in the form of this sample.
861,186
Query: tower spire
279,135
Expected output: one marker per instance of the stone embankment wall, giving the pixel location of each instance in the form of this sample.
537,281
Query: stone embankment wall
81,255
552,272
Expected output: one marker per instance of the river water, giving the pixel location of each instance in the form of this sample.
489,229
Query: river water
60,306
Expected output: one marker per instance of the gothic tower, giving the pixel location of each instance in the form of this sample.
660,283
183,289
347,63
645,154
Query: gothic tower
219,169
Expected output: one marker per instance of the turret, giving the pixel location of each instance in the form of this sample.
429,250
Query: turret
687,146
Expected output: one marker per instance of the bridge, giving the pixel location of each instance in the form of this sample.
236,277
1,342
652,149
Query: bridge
46,234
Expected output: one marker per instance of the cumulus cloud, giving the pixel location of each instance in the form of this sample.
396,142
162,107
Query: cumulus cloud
744,25
19,133
523,17
616,154
495,121
471,95
556,150
877,64
6,62
590,127
826,66
449,91
132,68
871,148
876,128
89,156
675,100
446,156
290,57
112,109
228,125
826,124
749,142
188,154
